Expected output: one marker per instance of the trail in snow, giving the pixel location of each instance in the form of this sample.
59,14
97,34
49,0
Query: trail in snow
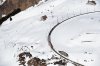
26,29
49,36
64,37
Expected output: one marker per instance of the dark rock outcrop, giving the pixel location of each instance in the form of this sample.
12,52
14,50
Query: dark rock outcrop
9,15
9,5
12,7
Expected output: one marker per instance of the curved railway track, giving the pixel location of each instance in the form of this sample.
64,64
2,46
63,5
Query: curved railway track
51,45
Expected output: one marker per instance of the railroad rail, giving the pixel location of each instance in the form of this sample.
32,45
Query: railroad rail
51,44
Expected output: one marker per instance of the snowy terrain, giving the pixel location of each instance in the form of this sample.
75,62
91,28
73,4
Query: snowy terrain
79,37
2,1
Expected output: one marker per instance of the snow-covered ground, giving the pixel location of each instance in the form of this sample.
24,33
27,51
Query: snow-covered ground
2,1
79,37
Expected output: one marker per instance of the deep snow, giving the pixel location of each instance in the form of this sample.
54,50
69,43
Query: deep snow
27,29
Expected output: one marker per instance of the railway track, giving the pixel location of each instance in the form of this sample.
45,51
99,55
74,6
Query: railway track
51,45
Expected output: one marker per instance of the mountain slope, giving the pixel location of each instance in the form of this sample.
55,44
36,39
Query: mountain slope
28,33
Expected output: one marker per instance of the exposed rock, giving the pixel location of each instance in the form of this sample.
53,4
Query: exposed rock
22,57
36,62
60,62
91,2
43,18
9,5
63,53
9,15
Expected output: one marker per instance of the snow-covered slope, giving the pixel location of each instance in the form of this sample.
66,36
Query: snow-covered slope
79,37
2,1
26,32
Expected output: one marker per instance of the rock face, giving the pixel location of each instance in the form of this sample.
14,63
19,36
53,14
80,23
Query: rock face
91,2
9,5
43,18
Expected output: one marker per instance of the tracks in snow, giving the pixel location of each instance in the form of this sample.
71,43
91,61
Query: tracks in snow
51,45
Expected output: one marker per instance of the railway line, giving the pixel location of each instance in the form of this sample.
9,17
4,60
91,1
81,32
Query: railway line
51,44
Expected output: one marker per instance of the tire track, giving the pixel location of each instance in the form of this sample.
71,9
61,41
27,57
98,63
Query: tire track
51,45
